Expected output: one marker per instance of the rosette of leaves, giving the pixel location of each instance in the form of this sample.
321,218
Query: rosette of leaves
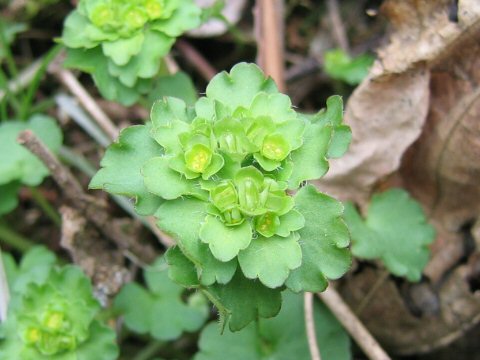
121,42
218,177
53,316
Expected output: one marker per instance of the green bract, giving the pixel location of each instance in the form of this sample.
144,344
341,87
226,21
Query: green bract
121,42
52,313
217,177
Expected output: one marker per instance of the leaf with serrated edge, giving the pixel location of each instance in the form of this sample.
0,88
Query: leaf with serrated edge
271,259
121,168
324,240
395,231
240,86
280,338
241,301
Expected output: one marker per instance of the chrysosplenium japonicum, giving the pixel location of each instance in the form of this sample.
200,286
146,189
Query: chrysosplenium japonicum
221,179
52,314
121,42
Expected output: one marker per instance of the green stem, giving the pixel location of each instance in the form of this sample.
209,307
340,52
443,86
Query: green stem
13,239
12,68
43,203
32,89
150,350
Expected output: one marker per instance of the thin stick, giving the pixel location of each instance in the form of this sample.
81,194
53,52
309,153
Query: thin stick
337,25
72,190
310,326
70,81
269,32
350,322
378,283
203,67
4,291
14,240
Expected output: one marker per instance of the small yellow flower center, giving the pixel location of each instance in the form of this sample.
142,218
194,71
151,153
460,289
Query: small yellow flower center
198,158
275,147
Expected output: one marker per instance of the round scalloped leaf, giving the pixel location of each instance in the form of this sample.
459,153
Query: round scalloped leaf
225,242
94,62
146,63
395,231
122,50
240,86
242,301
171,219
16,162
158,310
185,17
169,119
271,259
121,168
283,337
324,240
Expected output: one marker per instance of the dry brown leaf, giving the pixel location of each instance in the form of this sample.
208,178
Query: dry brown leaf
388,110
391,321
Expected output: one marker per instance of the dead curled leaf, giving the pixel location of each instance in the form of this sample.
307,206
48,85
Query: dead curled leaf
388,110
418,112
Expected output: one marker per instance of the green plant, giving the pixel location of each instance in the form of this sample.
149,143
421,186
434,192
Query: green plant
340,66
395,231
52,314
281,338
17,165
121,42
160,310
218,178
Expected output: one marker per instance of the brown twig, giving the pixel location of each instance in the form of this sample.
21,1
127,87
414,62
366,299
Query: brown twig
338,29
72,190
204,68
73,85
269,32
310,326
352,324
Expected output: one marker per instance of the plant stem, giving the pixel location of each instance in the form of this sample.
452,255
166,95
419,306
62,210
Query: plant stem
28,98
150,350
13,239
43,203
310,326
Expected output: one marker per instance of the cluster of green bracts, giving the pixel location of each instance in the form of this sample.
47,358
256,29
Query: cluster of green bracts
220,178
52,313
121,42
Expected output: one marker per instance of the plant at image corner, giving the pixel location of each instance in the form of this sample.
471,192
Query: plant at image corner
121,42
52,313
219,177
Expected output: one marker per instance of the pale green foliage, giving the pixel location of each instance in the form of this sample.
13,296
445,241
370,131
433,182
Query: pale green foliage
52,313
160,310
121,42
17,165
395,231
339,65
221,172
281,338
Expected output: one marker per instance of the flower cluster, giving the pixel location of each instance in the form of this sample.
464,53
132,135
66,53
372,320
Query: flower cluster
121,42
54,317
219,178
